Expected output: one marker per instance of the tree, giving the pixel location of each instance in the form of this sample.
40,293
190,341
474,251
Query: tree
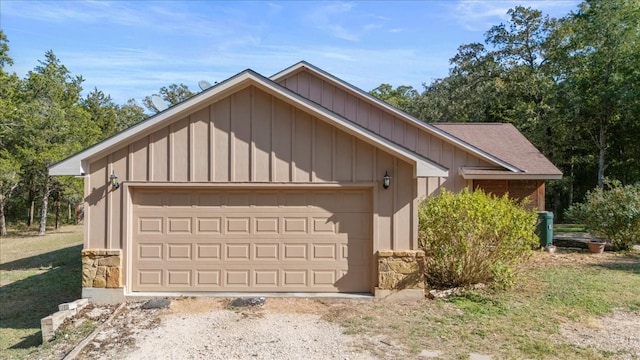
43,119
9,165
401,97
598,56
53,123
109,117
172,94
468,94
570,85
103,112
129,114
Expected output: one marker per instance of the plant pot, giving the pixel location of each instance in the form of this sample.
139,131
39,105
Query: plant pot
596,247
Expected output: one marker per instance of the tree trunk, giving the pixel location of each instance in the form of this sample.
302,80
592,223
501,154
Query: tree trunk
602,147
3,225
571,180
31,207
57,214
45,205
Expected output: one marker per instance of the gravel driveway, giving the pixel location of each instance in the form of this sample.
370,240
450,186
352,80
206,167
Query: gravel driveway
205,329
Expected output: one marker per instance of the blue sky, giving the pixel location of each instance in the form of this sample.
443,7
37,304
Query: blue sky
131,49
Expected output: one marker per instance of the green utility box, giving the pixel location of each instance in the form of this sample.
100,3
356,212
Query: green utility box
544,229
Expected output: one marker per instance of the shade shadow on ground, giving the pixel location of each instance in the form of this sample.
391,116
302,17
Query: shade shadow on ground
24,302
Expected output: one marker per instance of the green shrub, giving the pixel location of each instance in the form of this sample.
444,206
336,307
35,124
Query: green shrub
613,213
473,237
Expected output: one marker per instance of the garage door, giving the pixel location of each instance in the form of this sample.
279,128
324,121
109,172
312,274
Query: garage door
252,240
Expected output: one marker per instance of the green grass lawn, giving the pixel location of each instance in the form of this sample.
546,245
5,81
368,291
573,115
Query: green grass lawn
562,289
565,228
37,273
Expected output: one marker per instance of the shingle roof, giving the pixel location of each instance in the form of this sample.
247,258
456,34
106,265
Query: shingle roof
505,142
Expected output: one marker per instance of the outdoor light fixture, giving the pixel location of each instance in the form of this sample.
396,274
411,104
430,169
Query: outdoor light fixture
386,180
114,180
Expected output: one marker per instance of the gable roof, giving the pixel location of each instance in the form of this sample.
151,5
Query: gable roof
77,164
429,128
505,142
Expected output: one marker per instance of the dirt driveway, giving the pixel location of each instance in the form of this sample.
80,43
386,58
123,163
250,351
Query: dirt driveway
204,328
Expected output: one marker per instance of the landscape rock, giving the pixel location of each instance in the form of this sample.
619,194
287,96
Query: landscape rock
250,301
156,304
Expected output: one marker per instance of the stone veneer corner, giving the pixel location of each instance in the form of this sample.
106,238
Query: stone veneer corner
101,268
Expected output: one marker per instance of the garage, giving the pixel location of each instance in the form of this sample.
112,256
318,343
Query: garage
295,183
248,240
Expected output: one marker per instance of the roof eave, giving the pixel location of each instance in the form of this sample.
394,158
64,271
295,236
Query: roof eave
512,176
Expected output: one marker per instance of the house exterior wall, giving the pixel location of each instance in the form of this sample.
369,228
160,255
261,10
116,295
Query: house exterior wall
517,189
379,120
250,137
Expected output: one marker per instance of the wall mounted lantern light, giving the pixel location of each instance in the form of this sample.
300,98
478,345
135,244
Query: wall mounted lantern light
113,178
386,180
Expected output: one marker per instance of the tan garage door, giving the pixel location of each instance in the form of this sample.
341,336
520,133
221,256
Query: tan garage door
257,240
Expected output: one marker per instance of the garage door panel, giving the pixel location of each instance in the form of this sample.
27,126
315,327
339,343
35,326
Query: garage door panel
267,225
179,252
150,225
149,251
237,225
294,252
266,251
150,278
294,225
179,225
268,278
179,278
207,278
208,252
323,252
294,278
237,278
237,252
285,240
210,225
322,225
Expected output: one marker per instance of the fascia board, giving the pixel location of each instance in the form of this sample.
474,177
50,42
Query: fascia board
514,176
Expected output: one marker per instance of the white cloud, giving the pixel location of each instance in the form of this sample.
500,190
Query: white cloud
326,18
481,15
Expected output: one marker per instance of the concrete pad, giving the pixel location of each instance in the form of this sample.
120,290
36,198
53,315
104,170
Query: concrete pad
104,296
142,296
399,295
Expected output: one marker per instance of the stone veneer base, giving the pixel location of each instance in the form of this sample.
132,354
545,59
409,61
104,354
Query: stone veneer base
400,270
101,268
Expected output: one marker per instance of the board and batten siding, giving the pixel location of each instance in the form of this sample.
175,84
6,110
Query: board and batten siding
251,137
379,120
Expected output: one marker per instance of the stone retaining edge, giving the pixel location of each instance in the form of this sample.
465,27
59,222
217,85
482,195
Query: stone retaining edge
78,348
